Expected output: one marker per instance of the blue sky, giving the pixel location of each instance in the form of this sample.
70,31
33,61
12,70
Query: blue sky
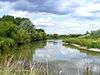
56,16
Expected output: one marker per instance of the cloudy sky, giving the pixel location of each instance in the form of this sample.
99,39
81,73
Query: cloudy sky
56,16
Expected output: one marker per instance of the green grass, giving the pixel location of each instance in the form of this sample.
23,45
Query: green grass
86,42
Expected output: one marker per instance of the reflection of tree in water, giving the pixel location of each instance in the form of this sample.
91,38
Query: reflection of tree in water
55,43
22,52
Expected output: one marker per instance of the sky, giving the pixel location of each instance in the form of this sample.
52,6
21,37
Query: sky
56,16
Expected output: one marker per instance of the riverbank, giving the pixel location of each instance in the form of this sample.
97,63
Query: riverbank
84,44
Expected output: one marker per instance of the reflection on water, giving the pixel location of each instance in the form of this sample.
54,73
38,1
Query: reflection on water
52,58
67,61
22,52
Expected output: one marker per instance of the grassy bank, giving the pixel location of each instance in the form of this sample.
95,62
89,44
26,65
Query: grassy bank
21,67
86,42
18,60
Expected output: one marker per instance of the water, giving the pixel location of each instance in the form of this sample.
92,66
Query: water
52,58
67,61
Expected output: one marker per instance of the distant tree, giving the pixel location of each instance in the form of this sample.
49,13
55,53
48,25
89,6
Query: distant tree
95,34
87,32
55,36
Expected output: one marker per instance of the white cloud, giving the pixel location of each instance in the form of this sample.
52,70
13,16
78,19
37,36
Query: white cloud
20,13
88,10
45,21
74,22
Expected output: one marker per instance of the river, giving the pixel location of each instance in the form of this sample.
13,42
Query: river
56,59
68,61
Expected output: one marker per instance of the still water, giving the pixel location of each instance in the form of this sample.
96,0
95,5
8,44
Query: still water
56,59
68,61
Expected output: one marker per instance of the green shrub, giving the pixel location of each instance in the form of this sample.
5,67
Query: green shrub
6,42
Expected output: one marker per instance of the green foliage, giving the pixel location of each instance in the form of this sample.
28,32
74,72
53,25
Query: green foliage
19,30
95,34
53,36
89,40
89,43
38,34
57,36
92,34
25,24
6,28
8,18
21,36
6,42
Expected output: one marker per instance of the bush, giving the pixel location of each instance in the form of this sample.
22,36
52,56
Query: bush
6,42
21,36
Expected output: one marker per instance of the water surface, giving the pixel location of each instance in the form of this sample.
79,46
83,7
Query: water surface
53,58
68,61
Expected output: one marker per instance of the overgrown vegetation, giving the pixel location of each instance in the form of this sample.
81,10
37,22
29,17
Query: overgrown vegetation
15,31
18,41
19,61
89,40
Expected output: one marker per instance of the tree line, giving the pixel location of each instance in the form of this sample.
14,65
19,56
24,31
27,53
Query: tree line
18,31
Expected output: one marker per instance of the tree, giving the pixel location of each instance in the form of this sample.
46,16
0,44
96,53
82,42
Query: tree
25,24
38,34
21,36
95,34
8,18
55,36
7,28
19,30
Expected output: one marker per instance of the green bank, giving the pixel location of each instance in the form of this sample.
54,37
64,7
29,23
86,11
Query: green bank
88,40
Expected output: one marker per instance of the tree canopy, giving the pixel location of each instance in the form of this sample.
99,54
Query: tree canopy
19,30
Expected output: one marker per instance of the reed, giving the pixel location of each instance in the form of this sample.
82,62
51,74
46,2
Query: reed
22,67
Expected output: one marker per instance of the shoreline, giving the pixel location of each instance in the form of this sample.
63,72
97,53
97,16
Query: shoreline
83,48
